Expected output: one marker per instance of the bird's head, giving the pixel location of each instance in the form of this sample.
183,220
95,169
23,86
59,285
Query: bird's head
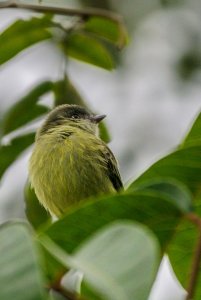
71,115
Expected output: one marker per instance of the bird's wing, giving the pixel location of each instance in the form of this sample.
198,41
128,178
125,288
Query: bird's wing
112,170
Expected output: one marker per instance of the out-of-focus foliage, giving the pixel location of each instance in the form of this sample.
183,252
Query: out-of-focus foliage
20,277
117,240
97,259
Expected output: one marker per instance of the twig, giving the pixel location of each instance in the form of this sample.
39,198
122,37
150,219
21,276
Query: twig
196,258
89,12
83,13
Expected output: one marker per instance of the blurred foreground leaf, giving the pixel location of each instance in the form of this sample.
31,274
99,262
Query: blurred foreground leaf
9,153
22,34
134,248
26,109
20,276
151,208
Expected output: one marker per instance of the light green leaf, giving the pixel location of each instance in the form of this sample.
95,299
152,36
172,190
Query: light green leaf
26,109
56,296
20,276
108,29
104,133
10,152
22,34
87,48
119,270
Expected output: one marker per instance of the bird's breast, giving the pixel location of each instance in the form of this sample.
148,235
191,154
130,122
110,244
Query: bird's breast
66,168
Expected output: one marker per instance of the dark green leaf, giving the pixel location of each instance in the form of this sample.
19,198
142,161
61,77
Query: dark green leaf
153,209
66,93
173,189
35,212
26,109
87,48
108,29
20,276
181,251
22,34
9,153
97,258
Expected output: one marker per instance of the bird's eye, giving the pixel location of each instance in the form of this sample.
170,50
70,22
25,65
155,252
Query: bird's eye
75,116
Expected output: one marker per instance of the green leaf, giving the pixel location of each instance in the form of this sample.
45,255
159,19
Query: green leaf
104,133
194,135
181,251
108,29
9,153
39,219
151,208
20,276
26,109
35,212
183,165
22,34
173,189
84,47
56,296
134,248
66,93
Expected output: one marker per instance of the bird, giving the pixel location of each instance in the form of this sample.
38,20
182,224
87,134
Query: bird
70,163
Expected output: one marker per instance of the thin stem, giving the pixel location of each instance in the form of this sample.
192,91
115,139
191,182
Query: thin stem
195,268
63,10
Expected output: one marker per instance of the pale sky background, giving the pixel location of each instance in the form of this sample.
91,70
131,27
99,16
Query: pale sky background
149,107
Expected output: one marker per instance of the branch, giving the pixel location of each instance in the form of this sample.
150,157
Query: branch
195,268
84,13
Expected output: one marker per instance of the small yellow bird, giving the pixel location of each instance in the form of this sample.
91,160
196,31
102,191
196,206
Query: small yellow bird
70,162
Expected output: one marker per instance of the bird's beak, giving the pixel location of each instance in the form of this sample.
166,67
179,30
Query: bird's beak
97,119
